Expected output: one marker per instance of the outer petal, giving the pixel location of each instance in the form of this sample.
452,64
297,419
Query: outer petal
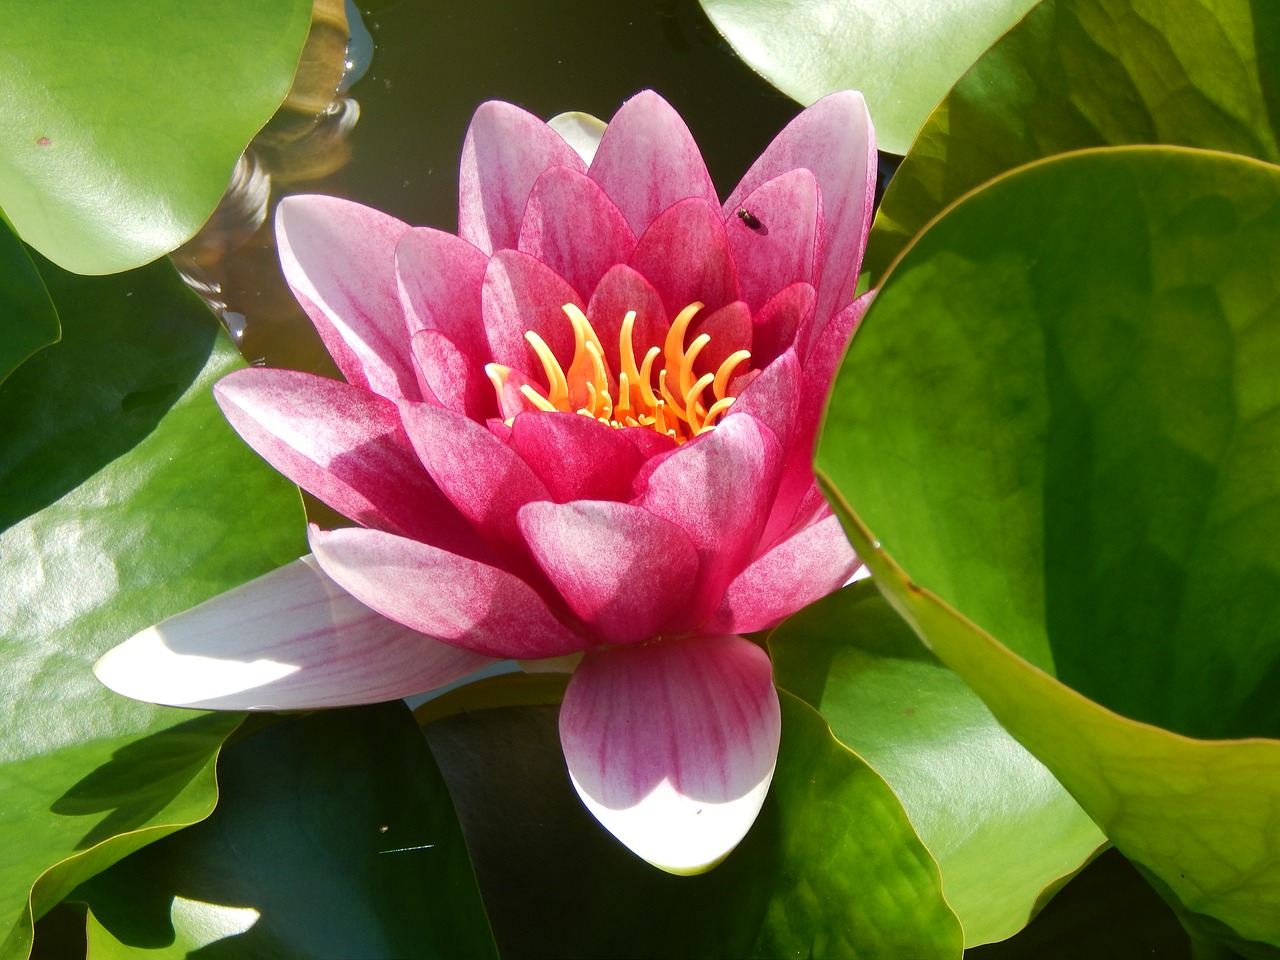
786,246
439,278
625,572
578,458
833,138
572,226
795,573
290,640
504,153
468,604
346,446
647,160
672,745
339,258
685,255
521,293
718,487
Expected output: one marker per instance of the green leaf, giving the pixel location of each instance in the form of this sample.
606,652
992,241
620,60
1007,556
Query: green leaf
903,56
831,868
1091,73
334,837
1004,832
124,497
1059,427
28,320
121,129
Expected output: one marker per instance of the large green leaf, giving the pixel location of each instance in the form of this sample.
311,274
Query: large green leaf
1002,829
121,124
28,320
334,837
1090,73
831,868
124,497
903,56
1059,427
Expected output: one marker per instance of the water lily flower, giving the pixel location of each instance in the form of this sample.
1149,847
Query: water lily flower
584,425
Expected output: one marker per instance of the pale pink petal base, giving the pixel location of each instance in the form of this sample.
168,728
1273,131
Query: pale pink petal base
671,745
292,639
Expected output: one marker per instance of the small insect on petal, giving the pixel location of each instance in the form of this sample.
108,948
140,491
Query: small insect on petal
752,221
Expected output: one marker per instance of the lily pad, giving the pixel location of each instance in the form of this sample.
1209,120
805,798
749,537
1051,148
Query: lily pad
122,126
313,809
28,320
903,56
1091,73
124,497
1056,442
1003,830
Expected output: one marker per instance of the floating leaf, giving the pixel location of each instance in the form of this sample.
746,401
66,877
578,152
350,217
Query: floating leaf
28,320
1059,427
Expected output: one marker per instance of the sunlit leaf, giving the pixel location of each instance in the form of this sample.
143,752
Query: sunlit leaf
903,56
1092,73
1002,829
334,837
1059,427
124,497
121,126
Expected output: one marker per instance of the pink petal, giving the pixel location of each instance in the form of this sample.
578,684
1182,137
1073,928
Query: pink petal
344,445
619,291
785,245
439,278
782,322
481,475
672,745
521,293
647,161
290,640
339,258
504,153
625,572
718,487
578,458
573,227
790,576
772,397
451,377
730,331
833,139
685,255
468,604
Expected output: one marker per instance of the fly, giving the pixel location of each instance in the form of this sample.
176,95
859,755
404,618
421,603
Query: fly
752,221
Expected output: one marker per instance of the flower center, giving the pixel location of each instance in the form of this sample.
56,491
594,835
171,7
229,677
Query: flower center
679,406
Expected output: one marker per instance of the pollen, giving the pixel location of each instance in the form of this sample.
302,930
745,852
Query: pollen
660,391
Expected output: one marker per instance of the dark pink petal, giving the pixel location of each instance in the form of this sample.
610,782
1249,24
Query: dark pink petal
464,603
576,457
339,258
290,640
772,397
730,331
521,293
344,445
625,572
649,442
785,245
672,745
647,161
685,255
504,153
781,322
718,487
451,377
620,291
792,575
439,278
573,227
483,477
832,138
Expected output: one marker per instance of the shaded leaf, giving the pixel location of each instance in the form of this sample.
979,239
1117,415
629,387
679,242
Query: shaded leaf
1004,832
28,320
1069,454
121,129
124,497
1092,73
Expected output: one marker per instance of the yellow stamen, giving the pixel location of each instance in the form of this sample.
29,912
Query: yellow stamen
588,387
